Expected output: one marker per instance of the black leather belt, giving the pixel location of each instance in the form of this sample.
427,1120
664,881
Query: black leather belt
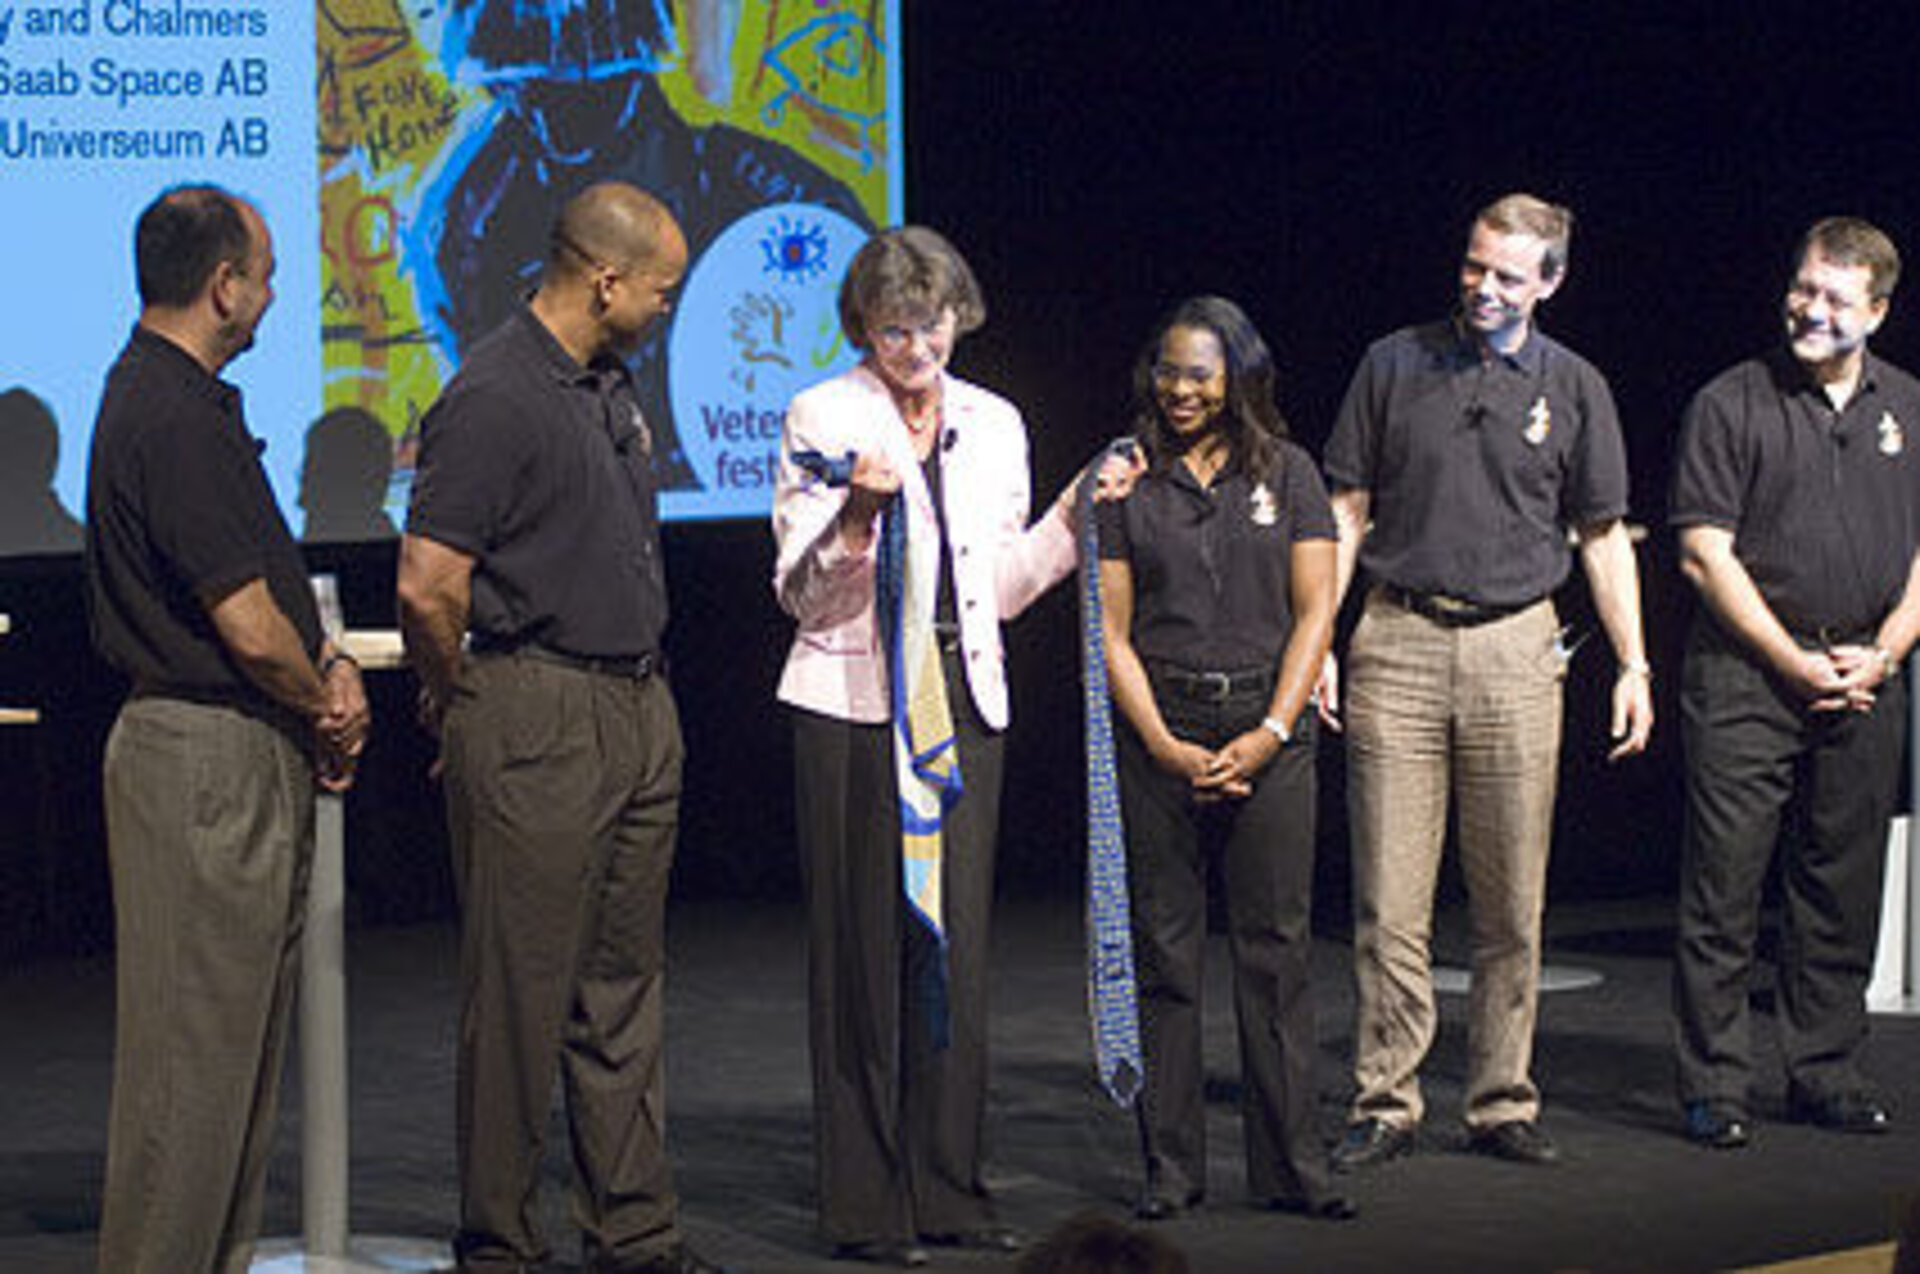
1211,687
1829,636
625,667
1448,612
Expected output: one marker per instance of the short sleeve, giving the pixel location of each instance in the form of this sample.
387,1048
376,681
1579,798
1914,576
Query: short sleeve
1597,481
1110,522
1353,449
1710,468
202,507
1306,496
463,482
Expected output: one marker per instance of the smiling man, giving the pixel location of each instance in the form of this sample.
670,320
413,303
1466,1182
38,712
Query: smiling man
1796,503
1465,452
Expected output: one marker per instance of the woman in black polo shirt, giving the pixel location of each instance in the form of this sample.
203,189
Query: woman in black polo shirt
1217,577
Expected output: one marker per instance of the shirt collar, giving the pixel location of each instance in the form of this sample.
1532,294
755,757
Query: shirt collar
1794,378
554,356
1529,358
1182,477
191,375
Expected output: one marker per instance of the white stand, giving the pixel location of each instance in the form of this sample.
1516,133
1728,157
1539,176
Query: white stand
1448,980
15,716
1895,988
326,1247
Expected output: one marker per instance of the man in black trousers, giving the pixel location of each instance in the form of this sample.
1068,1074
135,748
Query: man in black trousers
1797,501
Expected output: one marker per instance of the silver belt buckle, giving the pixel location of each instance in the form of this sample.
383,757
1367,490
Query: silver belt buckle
1217,686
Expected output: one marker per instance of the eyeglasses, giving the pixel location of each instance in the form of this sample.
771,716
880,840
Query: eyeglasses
897,336
1804,294
1172,374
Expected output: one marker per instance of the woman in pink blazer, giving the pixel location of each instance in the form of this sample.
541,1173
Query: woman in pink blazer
897,1116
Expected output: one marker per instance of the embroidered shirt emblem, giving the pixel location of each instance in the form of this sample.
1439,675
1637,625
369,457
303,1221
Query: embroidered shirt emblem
1893,439
1539,421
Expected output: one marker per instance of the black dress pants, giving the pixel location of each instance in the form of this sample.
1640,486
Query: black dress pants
1266,844
898,1124
1753,756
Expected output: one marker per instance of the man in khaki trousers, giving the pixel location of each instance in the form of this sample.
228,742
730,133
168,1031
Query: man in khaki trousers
197,595
1465,452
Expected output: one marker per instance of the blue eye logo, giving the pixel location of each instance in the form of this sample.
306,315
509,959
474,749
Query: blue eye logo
796,251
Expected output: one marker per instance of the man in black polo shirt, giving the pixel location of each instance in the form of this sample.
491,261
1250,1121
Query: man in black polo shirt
1464,452
532,536
1796,502
197,594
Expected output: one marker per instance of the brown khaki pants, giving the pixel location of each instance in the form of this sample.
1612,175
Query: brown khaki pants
563,791
1472,714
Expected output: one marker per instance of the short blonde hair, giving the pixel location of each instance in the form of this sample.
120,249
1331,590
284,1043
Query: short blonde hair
1551,223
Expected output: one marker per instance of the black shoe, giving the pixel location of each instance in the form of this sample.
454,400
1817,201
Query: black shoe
986,1238
1159,1207
1516,1141
1718,1125
1326,1207
1840,1112
906,1256
679,1260
1370,1143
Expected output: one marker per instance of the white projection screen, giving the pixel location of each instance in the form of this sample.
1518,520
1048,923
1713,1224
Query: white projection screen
409,156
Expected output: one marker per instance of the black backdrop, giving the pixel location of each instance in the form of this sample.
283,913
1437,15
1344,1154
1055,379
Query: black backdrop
1318,162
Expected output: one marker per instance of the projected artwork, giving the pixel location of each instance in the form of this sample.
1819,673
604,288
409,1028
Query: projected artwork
759,284
448,139
447,132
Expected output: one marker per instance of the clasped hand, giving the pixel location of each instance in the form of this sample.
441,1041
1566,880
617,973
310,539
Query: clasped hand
1839,678
1227,774
340,731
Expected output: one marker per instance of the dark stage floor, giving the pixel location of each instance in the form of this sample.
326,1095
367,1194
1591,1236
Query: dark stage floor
1631,1197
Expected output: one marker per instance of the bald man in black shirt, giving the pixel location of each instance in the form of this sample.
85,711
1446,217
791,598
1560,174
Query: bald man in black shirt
533,600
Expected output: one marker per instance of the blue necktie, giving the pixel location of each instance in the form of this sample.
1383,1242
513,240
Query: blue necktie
1112,1003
